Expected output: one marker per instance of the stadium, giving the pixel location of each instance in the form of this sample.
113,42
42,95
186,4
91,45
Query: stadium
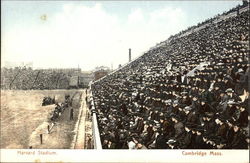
187,92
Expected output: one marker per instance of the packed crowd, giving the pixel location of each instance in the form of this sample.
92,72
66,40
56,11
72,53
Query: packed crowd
234,10
27,78
59,109
48,101
156,103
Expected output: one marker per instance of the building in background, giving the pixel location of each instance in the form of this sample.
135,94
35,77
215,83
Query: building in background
100,72
85,79
81,80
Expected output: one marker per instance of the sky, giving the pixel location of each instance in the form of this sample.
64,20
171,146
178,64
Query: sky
68,34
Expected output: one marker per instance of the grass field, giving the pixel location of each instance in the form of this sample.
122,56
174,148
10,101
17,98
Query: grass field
23,118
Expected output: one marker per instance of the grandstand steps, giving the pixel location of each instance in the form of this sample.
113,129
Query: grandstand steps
217,43
215,21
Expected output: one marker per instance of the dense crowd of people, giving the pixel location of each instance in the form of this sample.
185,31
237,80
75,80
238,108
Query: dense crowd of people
156,103
60,108
234,10
27,78
48,101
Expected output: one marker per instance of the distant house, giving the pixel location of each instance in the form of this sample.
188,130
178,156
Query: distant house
81,80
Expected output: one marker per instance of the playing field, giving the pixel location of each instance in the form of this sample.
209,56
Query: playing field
23,119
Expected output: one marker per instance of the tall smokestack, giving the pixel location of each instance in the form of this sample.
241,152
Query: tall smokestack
129,55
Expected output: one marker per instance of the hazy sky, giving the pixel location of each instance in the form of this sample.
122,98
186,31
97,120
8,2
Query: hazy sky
91,34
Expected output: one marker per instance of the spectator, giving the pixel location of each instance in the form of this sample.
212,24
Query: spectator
193,84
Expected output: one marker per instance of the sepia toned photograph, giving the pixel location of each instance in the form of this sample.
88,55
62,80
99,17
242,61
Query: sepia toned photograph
87,77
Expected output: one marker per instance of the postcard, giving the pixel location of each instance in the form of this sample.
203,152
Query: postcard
125,81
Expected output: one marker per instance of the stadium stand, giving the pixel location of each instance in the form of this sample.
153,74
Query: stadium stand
188,92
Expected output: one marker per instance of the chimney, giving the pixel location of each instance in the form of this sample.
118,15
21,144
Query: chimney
129,57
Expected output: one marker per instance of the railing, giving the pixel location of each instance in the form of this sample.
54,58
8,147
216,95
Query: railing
96,134
95,130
